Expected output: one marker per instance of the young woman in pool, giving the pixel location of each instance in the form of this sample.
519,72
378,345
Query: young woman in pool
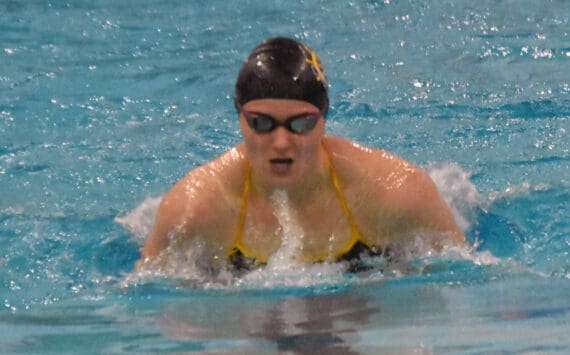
347,199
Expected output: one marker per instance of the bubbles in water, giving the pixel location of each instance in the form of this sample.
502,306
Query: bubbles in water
194,261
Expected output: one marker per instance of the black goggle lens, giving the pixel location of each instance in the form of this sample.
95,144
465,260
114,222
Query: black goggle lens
298,125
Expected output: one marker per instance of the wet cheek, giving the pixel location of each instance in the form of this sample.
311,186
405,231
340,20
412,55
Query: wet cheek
310,149
254,151
252,147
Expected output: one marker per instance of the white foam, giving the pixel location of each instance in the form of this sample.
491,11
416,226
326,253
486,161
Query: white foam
457,190
190,261
469,253
523,188
283,269
292,238
193,261
462,196
140,220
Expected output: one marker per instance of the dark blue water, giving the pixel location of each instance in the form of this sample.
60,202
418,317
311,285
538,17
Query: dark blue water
106,104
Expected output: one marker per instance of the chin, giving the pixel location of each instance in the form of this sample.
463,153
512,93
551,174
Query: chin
283,181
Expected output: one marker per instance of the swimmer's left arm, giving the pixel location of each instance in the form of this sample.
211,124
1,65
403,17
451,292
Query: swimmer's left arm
427,209
396,197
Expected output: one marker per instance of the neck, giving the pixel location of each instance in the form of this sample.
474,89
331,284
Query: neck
303,190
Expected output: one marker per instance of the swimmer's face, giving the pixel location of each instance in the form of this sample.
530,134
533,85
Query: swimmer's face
282,138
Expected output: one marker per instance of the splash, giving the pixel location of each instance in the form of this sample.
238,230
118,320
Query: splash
283,269
293,235
457,190
139,221
190,262
193,261
524,188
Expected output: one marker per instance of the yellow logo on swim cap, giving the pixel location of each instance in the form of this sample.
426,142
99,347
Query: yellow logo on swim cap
316,65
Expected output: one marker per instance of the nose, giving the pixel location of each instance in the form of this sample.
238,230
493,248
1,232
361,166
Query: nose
282,139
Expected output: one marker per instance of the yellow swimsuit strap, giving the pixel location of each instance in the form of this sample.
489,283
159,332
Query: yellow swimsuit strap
356,236
238,246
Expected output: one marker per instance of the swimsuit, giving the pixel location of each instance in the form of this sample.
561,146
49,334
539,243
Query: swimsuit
242,258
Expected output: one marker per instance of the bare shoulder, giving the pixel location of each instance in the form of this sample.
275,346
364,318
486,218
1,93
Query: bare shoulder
355,162
199,202
389,190
209,190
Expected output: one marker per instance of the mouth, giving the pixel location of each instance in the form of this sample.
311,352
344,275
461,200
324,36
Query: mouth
281,166
281,161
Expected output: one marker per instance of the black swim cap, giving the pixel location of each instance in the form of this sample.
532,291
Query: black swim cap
283,68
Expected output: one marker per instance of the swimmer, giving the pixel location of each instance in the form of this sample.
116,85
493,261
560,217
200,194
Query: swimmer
346,198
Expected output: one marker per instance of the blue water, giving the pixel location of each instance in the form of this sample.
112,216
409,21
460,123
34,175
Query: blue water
105,104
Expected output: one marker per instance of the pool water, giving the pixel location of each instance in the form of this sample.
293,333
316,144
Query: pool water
105,104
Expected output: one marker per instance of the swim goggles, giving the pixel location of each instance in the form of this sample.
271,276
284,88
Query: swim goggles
264,124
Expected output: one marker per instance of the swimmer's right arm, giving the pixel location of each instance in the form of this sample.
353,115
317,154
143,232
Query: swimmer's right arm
193,206
180,213
170,220
184,211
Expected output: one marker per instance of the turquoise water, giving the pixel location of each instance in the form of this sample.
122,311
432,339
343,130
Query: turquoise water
105,104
